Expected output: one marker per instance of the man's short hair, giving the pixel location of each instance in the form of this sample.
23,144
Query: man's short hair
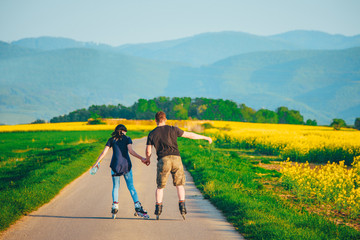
160,116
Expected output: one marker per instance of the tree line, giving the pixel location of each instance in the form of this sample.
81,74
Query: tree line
187,108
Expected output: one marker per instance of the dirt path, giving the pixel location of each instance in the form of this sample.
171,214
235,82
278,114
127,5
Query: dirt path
82,211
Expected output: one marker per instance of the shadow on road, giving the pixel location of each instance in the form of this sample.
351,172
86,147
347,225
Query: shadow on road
106,218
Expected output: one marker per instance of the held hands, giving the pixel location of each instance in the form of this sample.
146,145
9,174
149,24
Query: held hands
145,161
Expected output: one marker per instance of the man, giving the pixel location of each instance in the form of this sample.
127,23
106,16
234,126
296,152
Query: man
164,138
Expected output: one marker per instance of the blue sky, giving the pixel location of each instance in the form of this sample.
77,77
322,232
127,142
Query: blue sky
118,22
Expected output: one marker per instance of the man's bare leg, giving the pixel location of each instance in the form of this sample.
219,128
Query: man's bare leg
159,194
181,192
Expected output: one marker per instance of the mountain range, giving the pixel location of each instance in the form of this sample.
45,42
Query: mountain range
313,72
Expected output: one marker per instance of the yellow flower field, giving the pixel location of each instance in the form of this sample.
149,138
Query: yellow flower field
110,124
78,126
297,142
332,184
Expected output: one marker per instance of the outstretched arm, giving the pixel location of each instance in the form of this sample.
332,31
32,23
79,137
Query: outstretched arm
132,152
102,155
192,135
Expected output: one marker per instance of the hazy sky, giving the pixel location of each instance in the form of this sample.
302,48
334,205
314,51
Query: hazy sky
117,22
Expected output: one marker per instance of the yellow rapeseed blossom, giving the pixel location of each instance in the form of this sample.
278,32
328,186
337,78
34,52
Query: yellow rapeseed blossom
79,126
110,124
297,142
333,184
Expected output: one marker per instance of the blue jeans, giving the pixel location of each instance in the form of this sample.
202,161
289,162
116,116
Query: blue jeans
130,185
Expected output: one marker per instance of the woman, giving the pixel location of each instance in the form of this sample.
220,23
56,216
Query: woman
121,165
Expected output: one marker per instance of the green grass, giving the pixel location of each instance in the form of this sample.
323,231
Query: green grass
233,182
35,166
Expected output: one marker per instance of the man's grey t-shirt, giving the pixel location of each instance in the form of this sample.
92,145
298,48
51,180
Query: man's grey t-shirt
164,138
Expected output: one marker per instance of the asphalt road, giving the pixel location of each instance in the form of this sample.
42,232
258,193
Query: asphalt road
82,210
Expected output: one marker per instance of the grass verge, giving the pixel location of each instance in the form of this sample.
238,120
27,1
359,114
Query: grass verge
35,166
234,183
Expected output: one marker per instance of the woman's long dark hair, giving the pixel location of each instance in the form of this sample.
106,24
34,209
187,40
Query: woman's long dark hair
119,132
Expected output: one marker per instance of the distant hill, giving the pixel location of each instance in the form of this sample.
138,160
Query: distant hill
206,48
54,82
321,84
47,77
317,40
9,51
56,43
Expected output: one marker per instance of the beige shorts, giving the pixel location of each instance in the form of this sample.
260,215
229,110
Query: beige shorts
170,164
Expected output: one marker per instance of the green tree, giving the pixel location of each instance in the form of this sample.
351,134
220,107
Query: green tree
145,109
141,106
289,116
338,123
246,113
163,103
95,119
179,112
357,123
185,108
179,108
38,121
266,116
218,109
311,122
124,112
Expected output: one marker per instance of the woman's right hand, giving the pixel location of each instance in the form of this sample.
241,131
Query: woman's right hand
95,165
